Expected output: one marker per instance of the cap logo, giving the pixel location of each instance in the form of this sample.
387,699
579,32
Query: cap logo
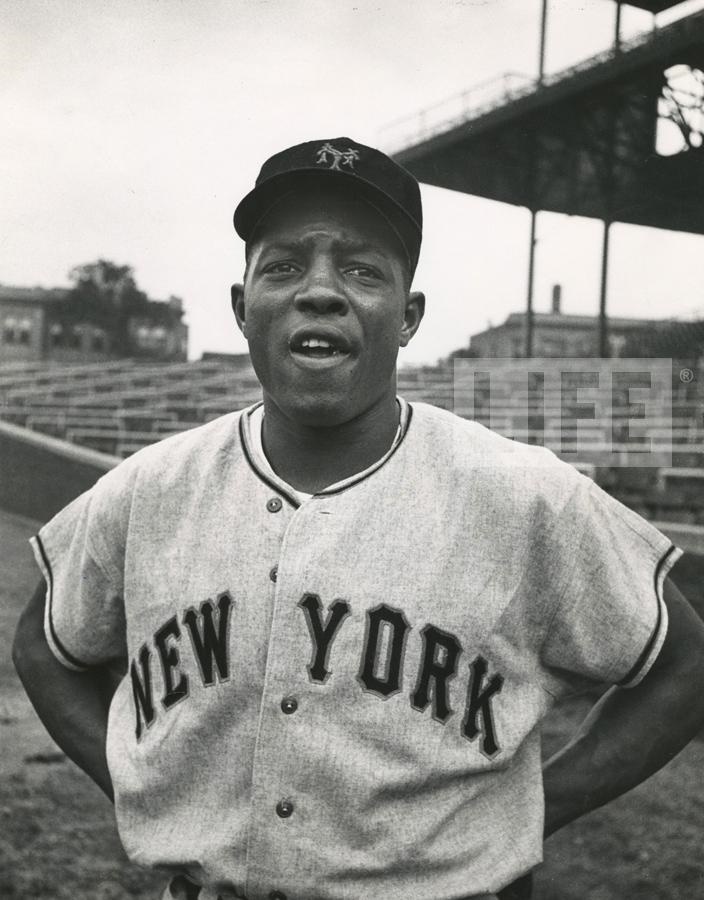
334,158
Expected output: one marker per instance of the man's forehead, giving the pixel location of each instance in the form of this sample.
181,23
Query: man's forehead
342,217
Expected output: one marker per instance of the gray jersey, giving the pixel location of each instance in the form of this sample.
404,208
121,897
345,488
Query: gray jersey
340,698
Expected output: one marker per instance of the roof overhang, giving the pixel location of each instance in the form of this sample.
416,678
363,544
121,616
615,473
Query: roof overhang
582,143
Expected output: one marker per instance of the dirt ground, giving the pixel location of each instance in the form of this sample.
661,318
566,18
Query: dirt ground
58,840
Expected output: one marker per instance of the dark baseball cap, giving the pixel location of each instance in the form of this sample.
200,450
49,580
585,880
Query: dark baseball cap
370,172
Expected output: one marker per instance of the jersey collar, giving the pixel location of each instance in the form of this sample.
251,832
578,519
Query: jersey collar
271,479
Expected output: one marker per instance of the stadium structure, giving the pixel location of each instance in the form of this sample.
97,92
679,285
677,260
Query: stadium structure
585,146
584,141
580,142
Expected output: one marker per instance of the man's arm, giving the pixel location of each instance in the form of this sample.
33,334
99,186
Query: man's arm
72,705
631,733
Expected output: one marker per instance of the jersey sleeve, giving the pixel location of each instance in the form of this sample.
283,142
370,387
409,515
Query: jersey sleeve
81,554
610,620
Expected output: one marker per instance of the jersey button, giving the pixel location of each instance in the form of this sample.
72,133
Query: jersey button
274,505
289,705
284,808
273,572
277,895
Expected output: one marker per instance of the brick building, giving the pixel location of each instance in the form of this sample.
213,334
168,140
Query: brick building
33,329
560,335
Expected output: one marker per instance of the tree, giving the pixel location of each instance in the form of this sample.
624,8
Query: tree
104,294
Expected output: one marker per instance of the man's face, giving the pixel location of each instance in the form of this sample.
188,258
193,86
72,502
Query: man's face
326,307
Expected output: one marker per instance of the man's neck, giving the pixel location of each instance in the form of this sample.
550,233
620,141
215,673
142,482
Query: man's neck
310,458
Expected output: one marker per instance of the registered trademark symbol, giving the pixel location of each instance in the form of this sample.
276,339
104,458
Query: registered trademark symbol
686,376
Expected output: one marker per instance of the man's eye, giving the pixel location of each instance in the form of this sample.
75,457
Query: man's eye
364,272
280,268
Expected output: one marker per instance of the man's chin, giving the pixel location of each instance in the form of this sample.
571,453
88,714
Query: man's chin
322,411
329,403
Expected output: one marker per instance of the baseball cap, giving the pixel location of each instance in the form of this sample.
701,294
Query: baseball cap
386,184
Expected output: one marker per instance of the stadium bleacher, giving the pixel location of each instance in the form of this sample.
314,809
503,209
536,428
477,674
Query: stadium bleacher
653,464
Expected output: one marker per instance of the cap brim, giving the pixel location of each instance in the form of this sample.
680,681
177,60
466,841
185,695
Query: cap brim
259,201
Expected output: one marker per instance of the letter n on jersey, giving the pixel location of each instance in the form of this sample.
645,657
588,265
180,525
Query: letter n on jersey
209,632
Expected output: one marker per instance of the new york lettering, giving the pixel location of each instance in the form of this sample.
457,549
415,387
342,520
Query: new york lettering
209,633
381,666
382,661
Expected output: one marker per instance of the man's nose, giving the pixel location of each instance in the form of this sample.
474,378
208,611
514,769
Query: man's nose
322,290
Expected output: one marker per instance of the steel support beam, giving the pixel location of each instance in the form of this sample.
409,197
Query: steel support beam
603,324
531,278
543,34
533,212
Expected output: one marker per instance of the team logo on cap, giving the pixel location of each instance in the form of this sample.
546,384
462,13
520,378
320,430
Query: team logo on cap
334,158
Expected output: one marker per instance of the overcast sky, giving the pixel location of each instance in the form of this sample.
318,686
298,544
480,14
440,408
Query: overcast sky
131,128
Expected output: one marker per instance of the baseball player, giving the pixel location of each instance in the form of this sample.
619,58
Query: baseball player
342,616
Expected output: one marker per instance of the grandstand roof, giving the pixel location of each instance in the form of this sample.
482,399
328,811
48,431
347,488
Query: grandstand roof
653,6
582,142
31,294
567,319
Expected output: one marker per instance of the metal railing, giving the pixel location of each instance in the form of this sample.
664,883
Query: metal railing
475,102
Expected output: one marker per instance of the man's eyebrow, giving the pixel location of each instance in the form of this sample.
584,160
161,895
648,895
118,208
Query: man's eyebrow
352,246
363,247
282,245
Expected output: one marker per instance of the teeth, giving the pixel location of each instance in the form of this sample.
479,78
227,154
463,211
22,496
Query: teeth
316,342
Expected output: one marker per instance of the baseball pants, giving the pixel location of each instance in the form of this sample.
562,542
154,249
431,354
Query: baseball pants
182,889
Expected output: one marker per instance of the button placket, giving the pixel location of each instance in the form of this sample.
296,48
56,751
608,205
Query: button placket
271,778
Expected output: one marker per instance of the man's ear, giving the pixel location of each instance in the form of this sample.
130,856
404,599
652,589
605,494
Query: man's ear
237,300
412,317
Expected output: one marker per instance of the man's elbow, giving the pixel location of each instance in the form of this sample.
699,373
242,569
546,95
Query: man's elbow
24,652
29,645
682,654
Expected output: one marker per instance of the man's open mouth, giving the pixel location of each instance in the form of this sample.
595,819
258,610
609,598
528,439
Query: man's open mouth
319,346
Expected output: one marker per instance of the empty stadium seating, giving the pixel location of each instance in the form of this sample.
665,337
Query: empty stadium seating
654,463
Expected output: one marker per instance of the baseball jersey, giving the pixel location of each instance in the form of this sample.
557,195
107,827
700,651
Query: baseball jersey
341,698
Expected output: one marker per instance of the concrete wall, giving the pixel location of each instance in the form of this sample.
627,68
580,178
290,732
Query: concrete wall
39,475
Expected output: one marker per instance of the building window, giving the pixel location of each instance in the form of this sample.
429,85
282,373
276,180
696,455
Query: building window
9,331
24,331
151,337
56,335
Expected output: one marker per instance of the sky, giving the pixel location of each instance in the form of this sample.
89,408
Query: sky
131,129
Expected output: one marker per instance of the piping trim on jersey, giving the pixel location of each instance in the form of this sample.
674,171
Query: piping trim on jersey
69,657
278,486
341,486
656,630
338,487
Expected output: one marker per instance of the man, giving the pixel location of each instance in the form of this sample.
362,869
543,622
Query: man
342,616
